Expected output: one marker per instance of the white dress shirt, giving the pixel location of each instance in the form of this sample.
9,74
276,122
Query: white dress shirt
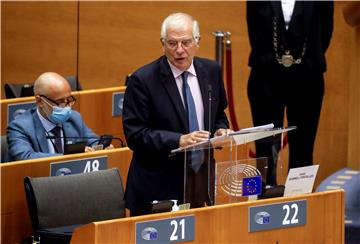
288,9
194,88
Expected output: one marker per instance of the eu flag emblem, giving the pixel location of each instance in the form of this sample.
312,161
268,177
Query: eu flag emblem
251,185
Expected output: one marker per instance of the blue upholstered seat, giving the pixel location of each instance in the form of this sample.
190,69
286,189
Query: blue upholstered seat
349,180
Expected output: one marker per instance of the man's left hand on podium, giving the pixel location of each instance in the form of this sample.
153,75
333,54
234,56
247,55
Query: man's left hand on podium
222,132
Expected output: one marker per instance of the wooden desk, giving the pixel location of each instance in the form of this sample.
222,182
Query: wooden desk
229,223
15,219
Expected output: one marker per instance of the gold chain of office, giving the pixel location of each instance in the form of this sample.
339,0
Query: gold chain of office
286,59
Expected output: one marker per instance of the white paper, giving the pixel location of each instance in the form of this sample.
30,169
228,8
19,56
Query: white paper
253,129
244,131
240,137
300,180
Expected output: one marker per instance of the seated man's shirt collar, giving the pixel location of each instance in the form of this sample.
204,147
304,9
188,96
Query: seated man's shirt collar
48,126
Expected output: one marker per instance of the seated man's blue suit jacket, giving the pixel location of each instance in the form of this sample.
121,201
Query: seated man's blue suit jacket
26,135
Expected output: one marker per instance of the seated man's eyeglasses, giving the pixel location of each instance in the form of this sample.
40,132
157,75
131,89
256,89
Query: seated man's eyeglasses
69,101
174,44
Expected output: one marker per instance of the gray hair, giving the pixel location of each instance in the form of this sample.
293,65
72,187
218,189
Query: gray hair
178,21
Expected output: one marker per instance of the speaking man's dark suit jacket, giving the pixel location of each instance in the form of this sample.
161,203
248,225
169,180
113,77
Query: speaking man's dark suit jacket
154,118
299,88
27,137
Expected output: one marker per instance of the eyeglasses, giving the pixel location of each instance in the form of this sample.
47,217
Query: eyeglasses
69,101
173,44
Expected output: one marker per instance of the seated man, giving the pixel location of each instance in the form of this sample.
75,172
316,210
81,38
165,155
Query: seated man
43,130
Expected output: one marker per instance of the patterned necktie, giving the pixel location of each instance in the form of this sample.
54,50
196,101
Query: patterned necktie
189,104
58,144
195,156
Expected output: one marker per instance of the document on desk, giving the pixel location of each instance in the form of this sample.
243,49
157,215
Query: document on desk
244,131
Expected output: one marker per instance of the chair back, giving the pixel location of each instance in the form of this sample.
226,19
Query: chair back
74,83
18,90
74,199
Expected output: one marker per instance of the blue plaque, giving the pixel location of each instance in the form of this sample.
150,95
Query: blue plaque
79,166
275,216
18,108
117,103
178,229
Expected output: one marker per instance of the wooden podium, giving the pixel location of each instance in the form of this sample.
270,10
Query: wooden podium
229,223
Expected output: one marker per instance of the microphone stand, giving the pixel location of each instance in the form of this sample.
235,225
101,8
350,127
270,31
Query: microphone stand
211,203
103,137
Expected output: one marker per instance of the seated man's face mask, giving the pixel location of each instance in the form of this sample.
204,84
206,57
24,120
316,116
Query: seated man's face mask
58,114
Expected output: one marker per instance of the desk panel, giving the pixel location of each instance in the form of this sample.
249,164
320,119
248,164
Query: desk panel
229,223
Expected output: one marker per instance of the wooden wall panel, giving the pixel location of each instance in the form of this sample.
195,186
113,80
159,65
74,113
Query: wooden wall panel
116,38
352,17
331,141
37,37
354,105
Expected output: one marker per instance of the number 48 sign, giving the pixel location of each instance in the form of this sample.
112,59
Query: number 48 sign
84,165
280,215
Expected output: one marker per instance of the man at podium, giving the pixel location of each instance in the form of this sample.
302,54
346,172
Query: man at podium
175,101
42,131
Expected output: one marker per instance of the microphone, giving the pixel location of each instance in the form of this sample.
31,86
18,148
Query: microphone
104,139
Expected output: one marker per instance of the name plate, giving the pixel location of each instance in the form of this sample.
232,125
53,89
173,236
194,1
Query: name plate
79,166
275,216
300,180
18,108
169,230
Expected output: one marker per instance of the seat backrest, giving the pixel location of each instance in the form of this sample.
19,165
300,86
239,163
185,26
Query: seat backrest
14,90
18,90
74,199
74,83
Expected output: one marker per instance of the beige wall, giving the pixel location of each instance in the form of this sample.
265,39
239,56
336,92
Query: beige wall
115,38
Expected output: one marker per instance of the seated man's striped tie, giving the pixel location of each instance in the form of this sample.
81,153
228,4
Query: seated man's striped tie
58,143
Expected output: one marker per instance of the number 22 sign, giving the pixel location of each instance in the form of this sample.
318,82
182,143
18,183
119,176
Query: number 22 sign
279,215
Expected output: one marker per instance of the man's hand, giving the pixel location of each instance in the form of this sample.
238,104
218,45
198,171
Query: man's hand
194,137
221,132
111,146
89,149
